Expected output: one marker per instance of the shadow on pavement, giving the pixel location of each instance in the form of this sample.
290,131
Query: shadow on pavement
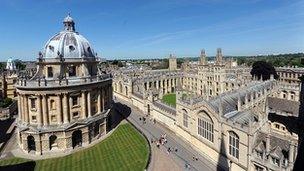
4,135
120,112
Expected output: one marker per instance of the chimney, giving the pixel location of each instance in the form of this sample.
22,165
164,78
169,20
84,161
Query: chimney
220,107
239,105
268,143
251,98
246,99
291,152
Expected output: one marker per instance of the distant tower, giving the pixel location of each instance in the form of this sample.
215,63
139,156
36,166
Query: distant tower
10,64
203,57
172,63
219,56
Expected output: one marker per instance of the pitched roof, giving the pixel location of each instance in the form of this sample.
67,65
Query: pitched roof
283,105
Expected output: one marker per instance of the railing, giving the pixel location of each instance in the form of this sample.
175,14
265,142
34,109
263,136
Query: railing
138,95
43,82
165,107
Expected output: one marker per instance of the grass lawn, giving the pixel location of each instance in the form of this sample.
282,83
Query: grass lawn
170,99
125,149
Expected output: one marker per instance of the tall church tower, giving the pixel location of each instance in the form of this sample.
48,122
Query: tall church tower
203,57
172,63
219,56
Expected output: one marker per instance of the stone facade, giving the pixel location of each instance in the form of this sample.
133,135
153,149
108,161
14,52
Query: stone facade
67,102
172,63
7,84
220,110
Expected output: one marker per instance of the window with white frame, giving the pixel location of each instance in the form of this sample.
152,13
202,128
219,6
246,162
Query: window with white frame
234,144
205,126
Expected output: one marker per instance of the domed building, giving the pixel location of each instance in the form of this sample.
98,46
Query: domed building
67,102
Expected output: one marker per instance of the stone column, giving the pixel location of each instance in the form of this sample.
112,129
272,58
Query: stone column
291,152
59,116
89,104
70,102
19,108
26,110
45,110
40,115
110,95
84,104
99,101
102,98
65,108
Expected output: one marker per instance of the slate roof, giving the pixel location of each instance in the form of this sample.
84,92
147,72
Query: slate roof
278,147
283,105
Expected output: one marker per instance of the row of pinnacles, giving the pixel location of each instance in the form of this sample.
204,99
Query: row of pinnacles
202,59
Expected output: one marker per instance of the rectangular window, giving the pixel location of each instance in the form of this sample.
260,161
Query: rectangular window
50,71
53,105
53,118
34,119
33,103
74,100
275,161
259,154
72,71
75,114
185,120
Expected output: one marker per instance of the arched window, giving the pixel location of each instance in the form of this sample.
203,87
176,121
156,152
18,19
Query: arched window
53,141
292,95
185,118
234,144
205,126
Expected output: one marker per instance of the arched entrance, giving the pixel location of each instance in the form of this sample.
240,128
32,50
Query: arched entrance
31,143
77,138
53,142
172,90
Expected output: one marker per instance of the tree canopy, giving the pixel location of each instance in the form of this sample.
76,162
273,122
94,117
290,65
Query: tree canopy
264,69
6,102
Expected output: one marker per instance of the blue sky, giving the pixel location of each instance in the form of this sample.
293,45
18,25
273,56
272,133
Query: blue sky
155,28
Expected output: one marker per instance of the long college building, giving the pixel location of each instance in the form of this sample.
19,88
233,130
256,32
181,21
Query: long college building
221,111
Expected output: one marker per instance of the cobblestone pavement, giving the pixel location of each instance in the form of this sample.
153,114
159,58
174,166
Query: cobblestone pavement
162,161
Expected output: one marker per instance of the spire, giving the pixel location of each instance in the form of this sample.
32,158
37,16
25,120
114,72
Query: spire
68,23
203,57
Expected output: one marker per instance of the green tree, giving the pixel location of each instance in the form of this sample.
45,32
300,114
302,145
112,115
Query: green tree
264,69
